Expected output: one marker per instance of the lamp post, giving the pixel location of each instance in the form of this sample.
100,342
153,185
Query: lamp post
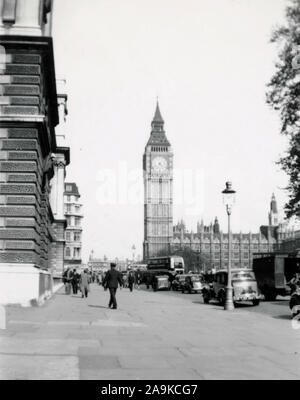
133,248
229,199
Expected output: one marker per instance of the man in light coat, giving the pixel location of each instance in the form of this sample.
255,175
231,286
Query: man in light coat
84,283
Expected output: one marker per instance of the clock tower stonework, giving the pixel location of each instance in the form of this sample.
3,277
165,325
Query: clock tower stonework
158,191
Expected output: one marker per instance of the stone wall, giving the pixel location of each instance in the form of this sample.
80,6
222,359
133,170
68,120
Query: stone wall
58,249
28,116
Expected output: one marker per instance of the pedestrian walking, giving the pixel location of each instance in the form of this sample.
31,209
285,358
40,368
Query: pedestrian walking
130,281
112,280
84,283
99,278
64,279
148,280
138,280
67,278
75,281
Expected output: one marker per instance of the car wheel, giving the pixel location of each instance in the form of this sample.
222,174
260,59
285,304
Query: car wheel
294,302
256,302
295,313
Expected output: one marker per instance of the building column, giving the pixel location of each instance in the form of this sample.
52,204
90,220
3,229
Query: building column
60,223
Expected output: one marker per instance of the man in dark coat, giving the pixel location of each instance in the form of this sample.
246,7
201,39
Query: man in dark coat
111,281
75,281
130,281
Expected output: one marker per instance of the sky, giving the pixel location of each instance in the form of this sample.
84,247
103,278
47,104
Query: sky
208,62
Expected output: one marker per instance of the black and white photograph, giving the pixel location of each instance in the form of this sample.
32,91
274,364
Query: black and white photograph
149,193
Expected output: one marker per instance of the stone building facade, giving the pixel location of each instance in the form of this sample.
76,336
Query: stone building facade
291,244
28,148
103,264
208,241
61,160
212,243
73,233
158,190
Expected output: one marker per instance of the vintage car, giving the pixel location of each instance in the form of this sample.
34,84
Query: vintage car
244,287
161,282
178,282
192,283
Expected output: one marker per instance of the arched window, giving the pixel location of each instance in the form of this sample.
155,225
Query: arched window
68,252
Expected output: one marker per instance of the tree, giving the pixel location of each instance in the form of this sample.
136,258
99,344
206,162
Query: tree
284,96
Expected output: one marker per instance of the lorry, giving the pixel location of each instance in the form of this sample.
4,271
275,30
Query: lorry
273,272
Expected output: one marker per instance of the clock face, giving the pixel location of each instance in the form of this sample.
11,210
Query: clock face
159,164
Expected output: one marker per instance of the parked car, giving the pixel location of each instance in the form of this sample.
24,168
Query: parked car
178,282
192,283
295,302
244,287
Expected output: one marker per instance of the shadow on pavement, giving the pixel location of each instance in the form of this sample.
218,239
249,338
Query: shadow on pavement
218,306
278,302
284,316
93,306
244,305
214,306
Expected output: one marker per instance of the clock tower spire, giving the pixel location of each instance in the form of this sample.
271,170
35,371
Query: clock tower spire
158,190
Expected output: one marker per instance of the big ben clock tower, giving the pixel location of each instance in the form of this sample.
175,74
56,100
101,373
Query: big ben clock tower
158,190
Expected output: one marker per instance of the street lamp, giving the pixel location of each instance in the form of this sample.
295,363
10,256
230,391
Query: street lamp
133,248
229,199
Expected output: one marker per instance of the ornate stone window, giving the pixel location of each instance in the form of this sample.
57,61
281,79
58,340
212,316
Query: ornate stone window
77,221
77,237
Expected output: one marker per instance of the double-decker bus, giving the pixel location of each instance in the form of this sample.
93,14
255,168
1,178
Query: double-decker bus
173,264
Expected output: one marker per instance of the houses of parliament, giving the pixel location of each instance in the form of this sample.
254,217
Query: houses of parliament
161,237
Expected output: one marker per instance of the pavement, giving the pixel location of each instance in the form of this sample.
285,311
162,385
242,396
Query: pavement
150,336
